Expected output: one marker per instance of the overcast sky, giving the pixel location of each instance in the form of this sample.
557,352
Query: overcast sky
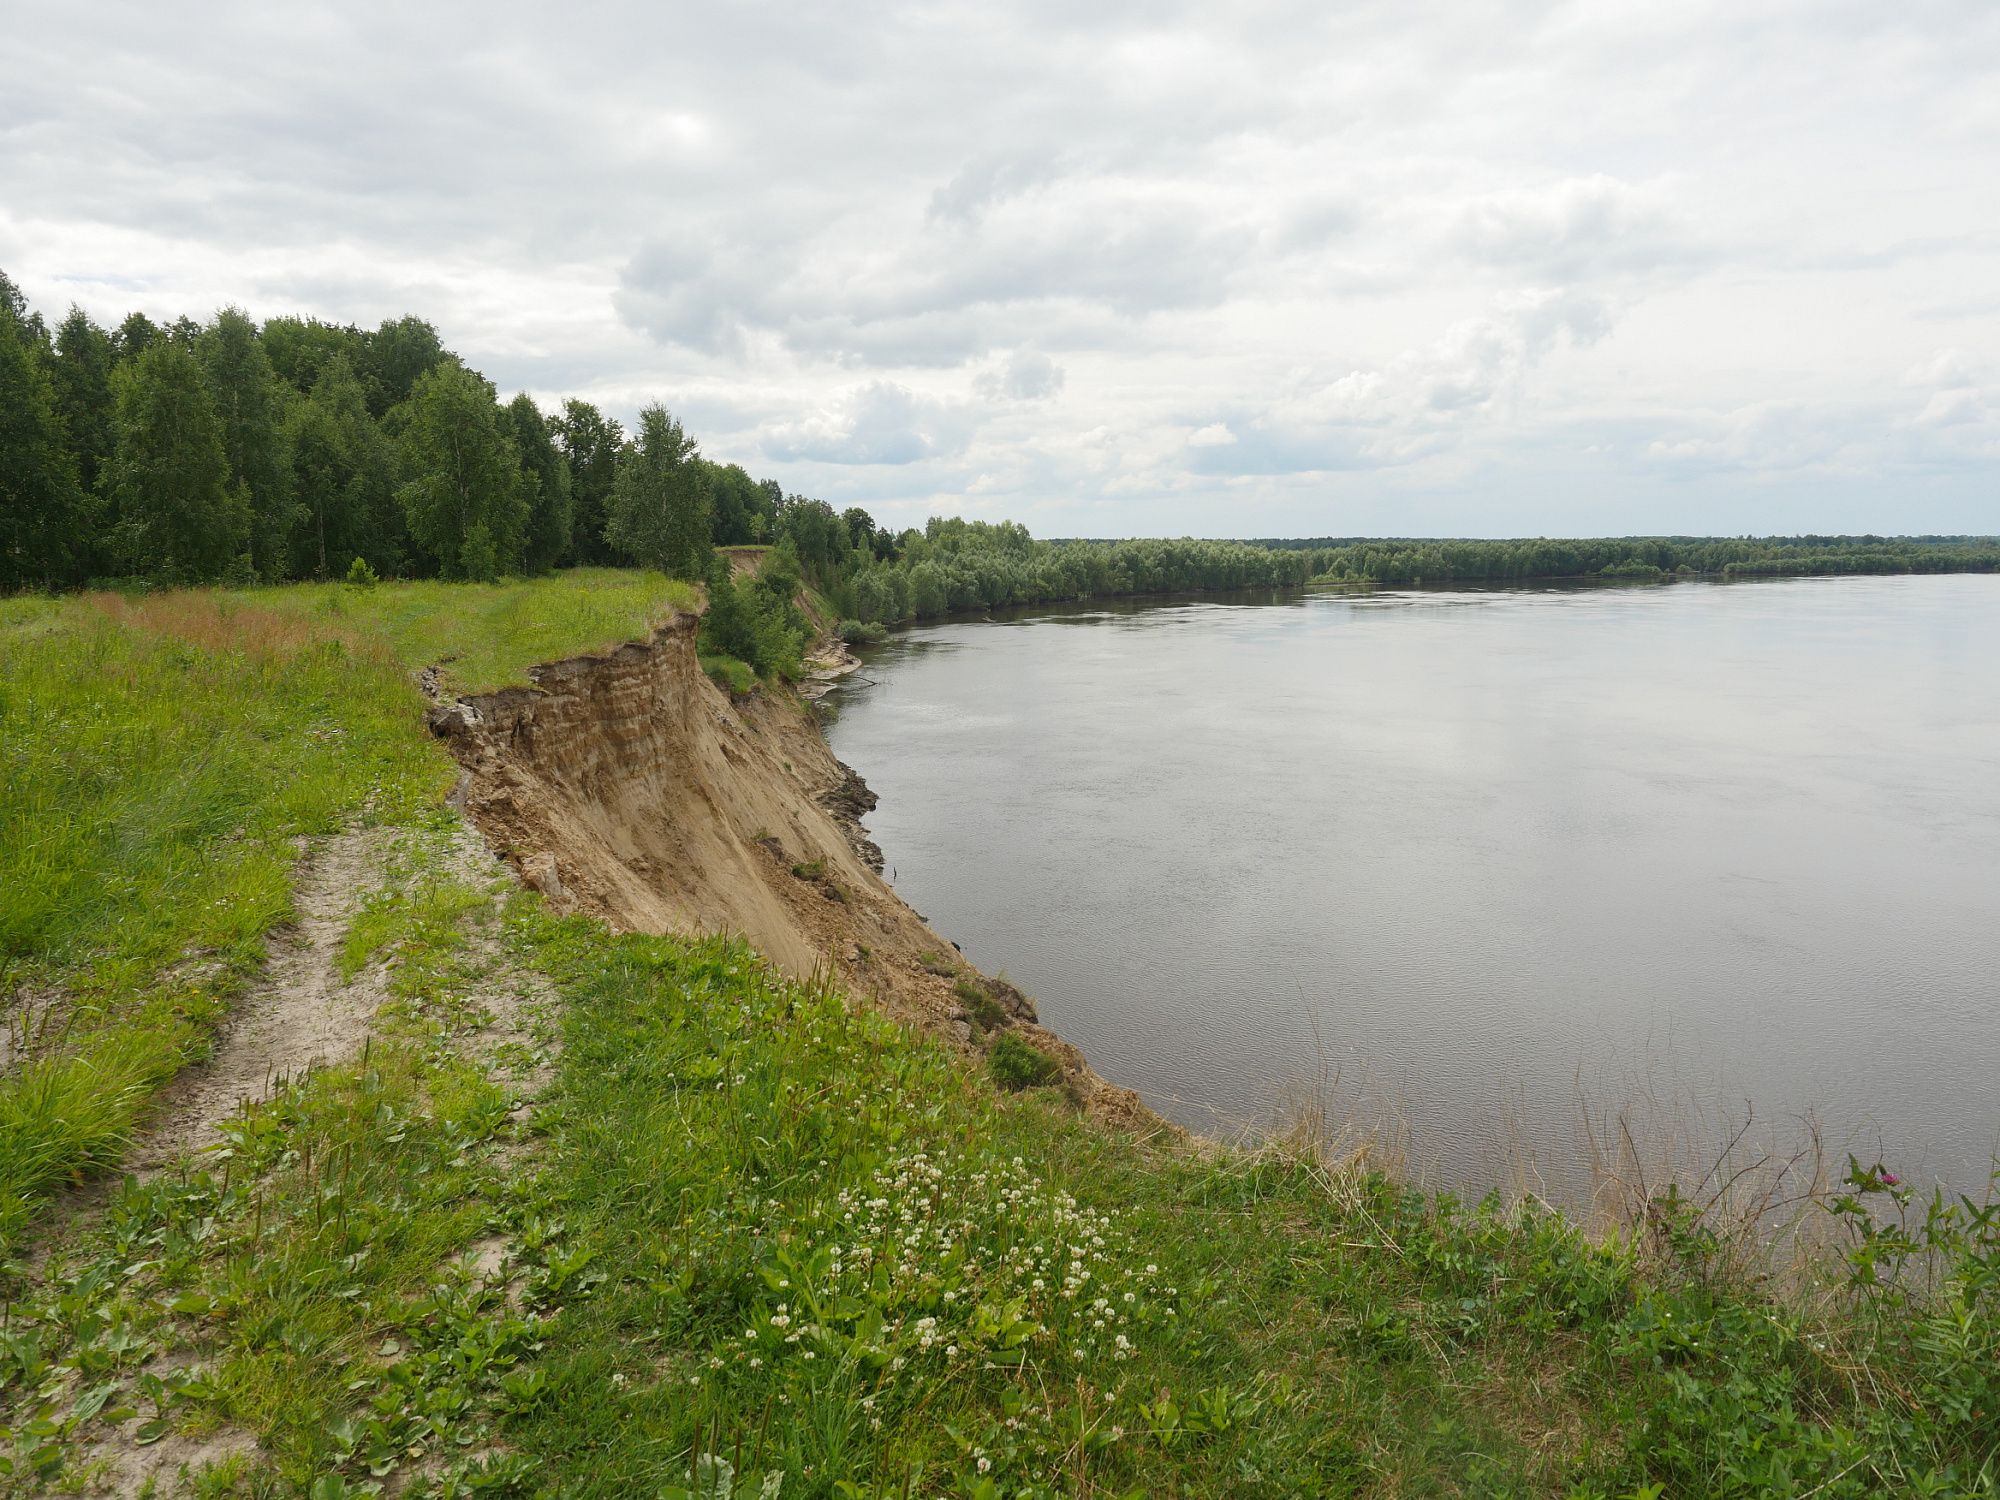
1110,269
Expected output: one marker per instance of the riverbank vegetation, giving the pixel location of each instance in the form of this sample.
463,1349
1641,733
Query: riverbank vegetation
1542,558
694,1229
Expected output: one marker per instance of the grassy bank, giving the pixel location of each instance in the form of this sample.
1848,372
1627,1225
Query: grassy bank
692,1228
162,755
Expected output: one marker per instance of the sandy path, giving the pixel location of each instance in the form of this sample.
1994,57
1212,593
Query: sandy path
297,1015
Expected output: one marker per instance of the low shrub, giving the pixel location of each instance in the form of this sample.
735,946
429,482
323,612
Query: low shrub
729,674
1016,1065
860,633
985,1012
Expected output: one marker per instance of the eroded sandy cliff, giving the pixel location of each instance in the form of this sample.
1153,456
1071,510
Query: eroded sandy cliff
630,787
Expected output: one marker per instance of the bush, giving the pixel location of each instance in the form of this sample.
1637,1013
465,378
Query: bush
361,575
729,674
755,622
855,633
1016,1065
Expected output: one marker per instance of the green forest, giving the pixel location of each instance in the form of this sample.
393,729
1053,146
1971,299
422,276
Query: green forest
234,452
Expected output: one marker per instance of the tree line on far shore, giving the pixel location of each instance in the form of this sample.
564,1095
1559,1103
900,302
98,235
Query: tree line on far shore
1422,560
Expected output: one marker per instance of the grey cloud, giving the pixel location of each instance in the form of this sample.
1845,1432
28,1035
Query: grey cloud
880,423
1571,228
987,180
1026,375
929,295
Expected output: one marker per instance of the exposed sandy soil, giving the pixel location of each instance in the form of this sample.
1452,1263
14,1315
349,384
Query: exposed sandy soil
299,1014
630,787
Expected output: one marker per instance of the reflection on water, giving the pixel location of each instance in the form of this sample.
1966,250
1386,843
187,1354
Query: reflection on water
1480,855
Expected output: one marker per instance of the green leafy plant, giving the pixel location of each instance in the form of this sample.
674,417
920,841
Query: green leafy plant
1017,1065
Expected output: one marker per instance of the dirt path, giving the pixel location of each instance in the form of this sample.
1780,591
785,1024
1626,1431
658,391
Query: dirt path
299,1014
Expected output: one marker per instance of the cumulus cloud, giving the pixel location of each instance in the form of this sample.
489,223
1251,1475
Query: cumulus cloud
1025,375
879,423
1078,258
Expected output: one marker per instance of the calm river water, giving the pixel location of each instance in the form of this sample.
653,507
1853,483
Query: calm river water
1486,868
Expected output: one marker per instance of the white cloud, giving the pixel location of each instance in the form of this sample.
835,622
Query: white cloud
879,423
1446,269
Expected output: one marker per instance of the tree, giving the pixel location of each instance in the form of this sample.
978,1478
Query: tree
545,477
343,480
179,518
28,325
590,445
42,512
462,476
249,401
817,530
303,349
660,506
737,500
398,353
135,336
85,357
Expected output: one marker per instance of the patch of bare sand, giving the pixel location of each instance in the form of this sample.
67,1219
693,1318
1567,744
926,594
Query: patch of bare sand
298,1015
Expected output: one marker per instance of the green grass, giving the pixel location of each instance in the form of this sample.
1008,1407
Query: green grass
731,675
750,1229
162,755
487,635
752,1226
1016,1065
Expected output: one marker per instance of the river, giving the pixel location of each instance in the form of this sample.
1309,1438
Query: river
1485,870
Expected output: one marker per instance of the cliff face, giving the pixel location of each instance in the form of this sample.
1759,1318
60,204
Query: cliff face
630,787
